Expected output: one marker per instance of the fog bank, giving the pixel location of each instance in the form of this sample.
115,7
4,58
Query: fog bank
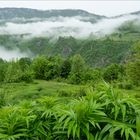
11,54
63,26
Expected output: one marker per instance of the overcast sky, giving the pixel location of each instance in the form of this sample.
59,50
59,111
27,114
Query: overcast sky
107,8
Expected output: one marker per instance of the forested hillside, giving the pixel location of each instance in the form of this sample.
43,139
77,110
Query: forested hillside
69,75
96,52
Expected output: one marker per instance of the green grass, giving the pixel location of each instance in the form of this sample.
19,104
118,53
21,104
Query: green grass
16,92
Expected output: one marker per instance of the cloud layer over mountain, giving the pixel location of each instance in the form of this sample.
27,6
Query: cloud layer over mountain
28,23
64,26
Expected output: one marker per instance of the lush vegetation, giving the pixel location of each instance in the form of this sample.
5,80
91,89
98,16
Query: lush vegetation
69,88
57,98
73,69
53,110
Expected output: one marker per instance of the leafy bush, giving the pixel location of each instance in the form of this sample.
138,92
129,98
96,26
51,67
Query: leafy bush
112,72
39,66
13,73
65,69
2,70
91,76
27,76
133,72
133,65
77,69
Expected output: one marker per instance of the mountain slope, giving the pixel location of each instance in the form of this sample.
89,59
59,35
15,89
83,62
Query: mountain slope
9,13
20,13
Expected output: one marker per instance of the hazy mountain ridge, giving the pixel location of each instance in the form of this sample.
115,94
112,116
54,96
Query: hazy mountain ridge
75,22
16,14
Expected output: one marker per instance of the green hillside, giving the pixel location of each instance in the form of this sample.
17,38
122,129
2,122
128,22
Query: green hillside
96,52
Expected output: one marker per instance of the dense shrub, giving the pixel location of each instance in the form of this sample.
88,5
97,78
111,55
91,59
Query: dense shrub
105,115
113,72
2,70
13,73
65,69
39,66
133,65
133,72
77,69
91,76
27,76
24,63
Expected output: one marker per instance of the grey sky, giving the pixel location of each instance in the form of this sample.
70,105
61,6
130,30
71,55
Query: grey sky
108,8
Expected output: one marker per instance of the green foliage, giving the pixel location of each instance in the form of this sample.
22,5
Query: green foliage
112,72
13,72
24,63
133,72
77,69
27,76
53,68
14,123
60,111
81,117
101,115
96,52
17,71
39,67
65,68
2,70
133,66
47,67
37,45
3,98
27,72
91,76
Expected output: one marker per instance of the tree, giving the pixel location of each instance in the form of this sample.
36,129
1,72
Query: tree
133,65
92,75
77,69
65,68
53,68
39,66
25,66
24,63
13,72
112,72
2,70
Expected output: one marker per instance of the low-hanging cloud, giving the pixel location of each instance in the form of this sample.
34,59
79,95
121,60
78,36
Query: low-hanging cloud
64,26
11,54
